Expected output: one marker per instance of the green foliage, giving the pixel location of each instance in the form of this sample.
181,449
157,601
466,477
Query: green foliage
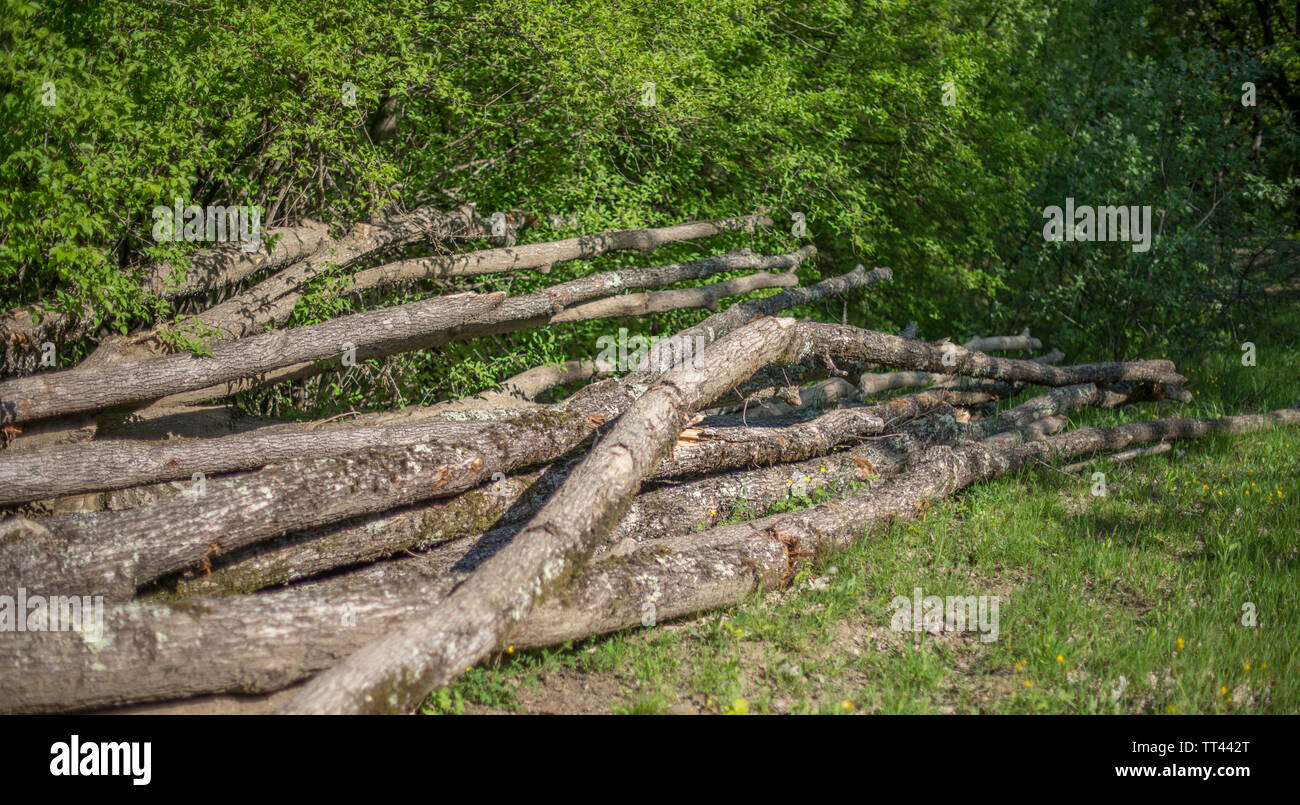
833,109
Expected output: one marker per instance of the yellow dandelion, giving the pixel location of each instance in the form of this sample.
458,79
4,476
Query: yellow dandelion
1060,658
846,705
1247,666
510,649
1223,689
1028,684
1181,644
1170,709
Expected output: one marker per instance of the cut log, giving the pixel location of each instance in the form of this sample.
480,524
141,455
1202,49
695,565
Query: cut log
238,644
642,304
83,390
425,324
545,255
549,306
514,499
393,673
852,343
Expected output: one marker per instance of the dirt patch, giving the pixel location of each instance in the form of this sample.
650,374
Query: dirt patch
565,692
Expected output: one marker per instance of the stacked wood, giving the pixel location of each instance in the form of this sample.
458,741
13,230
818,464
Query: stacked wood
354,566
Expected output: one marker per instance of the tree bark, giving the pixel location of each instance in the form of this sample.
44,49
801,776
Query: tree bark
159,651
545,255
393,673
136,546
384,331
547,306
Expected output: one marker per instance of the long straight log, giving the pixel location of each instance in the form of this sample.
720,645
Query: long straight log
394,672
425,324
237,644
516,498
545,255
84,390
552,305
853,343
137,546
874,383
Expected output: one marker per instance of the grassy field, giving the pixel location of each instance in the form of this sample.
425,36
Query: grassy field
1137,601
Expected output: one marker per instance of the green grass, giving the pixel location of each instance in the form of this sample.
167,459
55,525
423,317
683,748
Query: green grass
1146,584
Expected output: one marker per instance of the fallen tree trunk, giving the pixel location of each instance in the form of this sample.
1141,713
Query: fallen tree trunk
852,343
551,305
514,499
643,304
160,651
277,500
85,390
425,324
874,383
545,255
393,673
23,330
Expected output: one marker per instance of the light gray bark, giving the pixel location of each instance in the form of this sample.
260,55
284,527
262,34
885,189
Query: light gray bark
261,643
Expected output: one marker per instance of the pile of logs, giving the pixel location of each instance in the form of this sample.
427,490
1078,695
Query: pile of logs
354,566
